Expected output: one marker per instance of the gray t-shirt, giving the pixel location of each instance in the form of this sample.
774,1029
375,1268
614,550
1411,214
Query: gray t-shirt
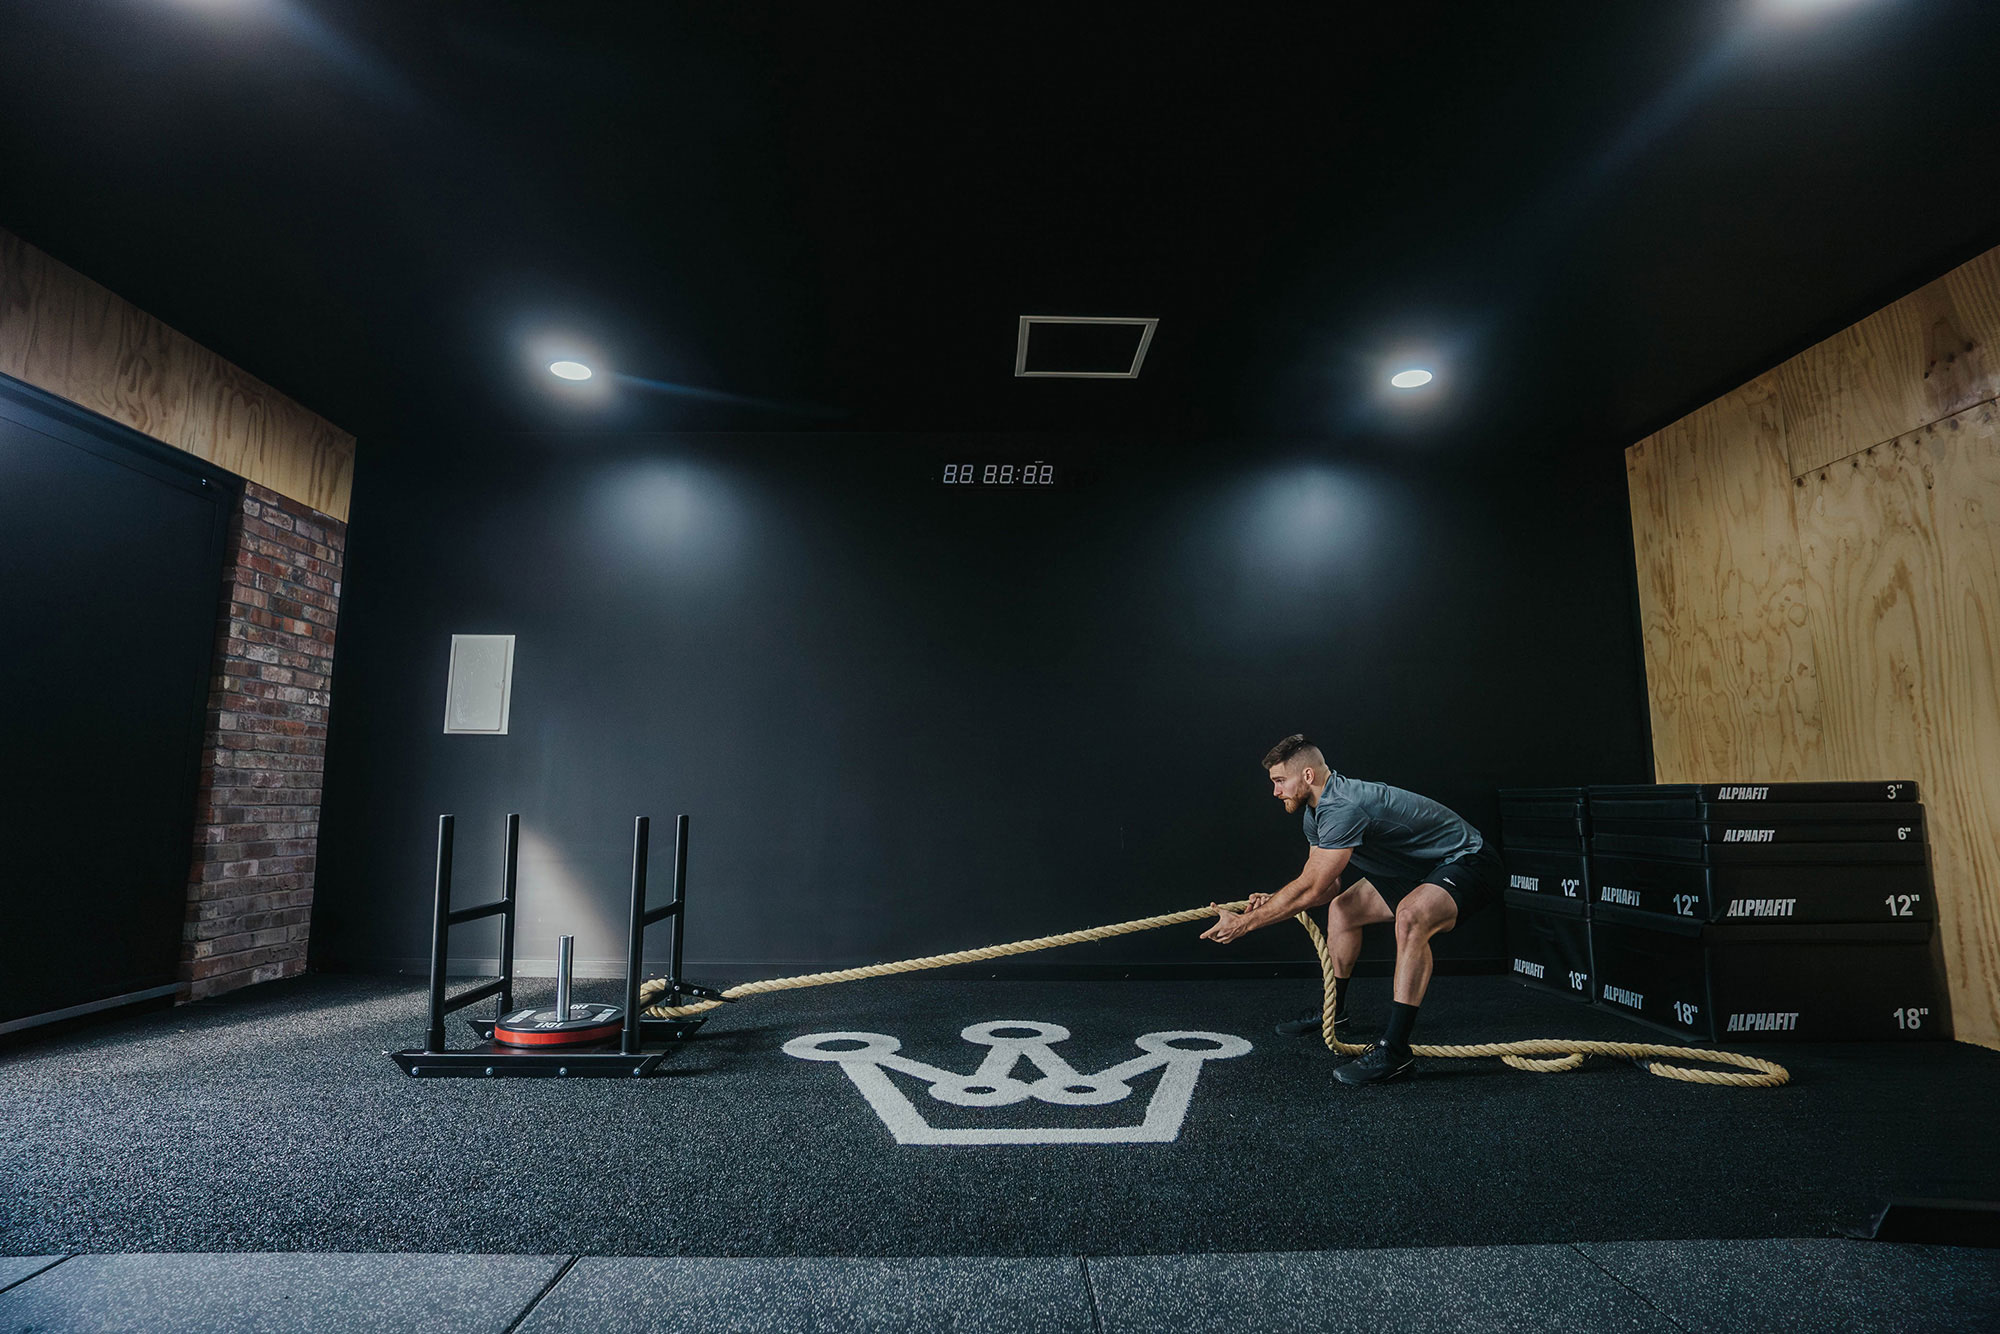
1393,833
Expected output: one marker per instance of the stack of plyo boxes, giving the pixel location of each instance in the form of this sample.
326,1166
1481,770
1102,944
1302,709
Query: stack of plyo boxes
1545,843
1765,911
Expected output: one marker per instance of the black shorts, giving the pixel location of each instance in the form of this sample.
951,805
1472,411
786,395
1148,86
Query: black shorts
1473,881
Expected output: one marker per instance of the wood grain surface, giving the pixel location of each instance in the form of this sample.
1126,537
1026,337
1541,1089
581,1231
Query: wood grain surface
1818,556
1729,658
65,334
1901,546
1928,356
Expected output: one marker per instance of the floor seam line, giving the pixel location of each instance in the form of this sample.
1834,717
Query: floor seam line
547,1288
1591,1260
29,1278
1090,1292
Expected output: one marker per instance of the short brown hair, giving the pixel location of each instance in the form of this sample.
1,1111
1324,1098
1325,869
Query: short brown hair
1286,749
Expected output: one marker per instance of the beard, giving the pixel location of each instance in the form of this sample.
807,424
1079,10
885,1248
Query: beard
1292,805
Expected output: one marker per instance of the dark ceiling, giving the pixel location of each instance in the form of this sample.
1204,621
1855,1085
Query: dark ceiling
1590,217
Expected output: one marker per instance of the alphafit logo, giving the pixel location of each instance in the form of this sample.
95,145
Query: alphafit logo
867,1058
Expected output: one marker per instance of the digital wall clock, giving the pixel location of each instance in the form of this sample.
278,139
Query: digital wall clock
1017,475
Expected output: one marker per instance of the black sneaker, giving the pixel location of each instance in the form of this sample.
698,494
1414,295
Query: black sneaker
1378,1065
1307,1026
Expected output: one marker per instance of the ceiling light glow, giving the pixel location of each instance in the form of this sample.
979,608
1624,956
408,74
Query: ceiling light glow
1797,11
569,370
1410,379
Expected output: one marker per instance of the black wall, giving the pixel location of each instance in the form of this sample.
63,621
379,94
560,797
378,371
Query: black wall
906,718
111,555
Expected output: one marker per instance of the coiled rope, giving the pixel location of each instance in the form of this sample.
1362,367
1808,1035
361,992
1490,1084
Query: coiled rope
1540,1055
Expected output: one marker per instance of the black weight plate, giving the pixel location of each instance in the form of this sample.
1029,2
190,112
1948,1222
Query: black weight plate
588,1022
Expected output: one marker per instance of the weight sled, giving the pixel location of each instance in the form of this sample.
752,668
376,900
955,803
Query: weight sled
571,1043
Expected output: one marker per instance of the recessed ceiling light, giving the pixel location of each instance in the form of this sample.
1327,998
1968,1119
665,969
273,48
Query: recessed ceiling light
576,370
1410,379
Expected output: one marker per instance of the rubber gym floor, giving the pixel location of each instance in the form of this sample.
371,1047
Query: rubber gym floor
257,1161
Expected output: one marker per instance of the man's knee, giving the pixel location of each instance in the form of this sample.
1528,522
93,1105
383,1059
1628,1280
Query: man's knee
1355,907
1417,922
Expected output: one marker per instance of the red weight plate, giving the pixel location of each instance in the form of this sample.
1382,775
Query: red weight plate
540,1028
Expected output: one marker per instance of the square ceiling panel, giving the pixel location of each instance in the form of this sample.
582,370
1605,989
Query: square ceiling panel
1082,347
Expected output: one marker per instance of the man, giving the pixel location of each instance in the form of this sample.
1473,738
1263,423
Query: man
1377,854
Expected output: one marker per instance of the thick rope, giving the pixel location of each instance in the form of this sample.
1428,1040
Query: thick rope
655,986
1553,1055
1541,1055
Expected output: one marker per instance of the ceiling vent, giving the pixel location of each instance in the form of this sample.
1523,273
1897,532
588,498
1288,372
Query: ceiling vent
1082,347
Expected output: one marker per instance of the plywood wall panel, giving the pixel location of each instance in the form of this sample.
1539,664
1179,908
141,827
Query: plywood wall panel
232,423
1887,520
1926,357
322,473
1901,548
127,367
36,316
319,473
1729,658
65,334
1974,290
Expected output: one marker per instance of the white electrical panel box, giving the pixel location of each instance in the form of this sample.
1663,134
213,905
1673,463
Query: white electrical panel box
481,685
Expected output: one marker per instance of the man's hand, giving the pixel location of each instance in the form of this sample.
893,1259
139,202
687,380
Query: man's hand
1258,901
1228,926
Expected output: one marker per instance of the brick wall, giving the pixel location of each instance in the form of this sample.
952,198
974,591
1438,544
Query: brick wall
250,889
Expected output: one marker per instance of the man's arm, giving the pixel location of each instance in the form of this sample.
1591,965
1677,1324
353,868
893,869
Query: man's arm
1318,883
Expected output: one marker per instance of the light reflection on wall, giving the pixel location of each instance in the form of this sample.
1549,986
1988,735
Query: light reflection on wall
1306,521
556,900
679,519
1281,555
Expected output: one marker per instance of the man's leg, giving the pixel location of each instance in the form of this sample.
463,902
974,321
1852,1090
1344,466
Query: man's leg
1353,908
1359,905
1424,912
1428,911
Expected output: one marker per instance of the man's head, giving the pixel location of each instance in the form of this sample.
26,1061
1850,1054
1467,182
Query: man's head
1297,770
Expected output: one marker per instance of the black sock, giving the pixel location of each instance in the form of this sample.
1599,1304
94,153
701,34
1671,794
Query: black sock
1402,1018
1339,998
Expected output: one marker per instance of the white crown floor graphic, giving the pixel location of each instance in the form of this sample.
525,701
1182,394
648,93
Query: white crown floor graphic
868,1057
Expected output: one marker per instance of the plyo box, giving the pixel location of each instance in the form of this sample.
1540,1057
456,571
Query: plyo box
1542,833
1832,982
1548,940
1729,801
1544,803
1797,852
1545,841
1556,875
1862,882
1779,825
